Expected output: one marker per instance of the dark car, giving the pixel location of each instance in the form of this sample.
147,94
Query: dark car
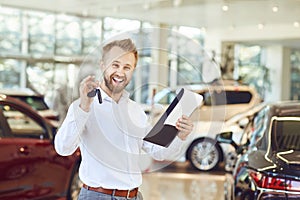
270,166
30,167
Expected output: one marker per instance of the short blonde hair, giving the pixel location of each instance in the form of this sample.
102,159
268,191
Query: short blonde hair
126,45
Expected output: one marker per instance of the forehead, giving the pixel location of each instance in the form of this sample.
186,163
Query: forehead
118,54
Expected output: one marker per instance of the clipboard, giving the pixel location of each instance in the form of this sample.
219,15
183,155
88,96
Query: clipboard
164,131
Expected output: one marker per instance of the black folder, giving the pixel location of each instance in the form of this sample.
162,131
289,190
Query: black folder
163,134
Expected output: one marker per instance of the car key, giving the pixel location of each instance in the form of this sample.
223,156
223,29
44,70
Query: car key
93,94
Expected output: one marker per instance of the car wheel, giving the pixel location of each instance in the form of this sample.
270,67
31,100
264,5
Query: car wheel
75,185
205,154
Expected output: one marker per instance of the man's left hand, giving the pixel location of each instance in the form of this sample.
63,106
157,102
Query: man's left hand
184,126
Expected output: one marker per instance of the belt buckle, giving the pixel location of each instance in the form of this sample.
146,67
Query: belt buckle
128,193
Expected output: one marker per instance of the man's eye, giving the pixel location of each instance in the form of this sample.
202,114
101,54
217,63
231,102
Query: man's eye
115,65
127,68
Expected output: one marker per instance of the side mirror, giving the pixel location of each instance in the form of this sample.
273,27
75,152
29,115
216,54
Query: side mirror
243,122
225,137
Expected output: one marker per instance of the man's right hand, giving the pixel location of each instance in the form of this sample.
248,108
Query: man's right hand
86,86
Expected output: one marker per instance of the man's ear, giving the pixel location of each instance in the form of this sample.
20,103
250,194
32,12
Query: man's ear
102,67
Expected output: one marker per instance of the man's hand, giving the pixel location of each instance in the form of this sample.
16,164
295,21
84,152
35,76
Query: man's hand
184,126
86,86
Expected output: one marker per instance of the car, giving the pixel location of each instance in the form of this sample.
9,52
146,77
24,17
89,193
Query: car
37,102
30,167
269,164
220,106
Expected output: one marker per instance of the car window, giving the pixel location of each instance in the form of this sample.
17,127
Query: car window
21,124
35,102
286,135
168,98
222,97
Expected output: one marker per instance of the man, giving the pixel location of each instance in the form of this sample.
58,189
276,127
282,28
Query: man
110,134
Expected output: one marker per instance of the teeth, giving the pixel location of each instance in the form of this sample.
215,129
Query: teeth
118,79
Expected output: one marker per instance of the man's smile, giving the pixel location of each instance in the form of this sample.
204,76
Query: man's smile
118,79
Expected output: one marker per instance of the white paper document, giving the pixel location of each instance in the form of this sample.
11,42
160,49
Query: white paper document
186,105
164,131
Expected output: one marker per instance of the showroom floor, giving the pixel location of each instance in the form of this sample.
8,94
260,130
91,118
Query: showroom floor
180,182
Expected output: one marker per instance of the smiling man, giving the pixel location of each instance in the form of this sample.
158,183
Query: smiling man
110,134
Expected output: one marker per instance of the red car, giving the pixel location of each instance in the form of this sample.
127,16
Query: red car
30,168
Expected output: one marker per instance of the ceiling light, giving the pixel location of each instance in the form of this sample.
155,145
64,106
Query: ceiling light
260,26
232,27
146,6
275,8
296,24
116,9
203,29
177,3
225,8
85,12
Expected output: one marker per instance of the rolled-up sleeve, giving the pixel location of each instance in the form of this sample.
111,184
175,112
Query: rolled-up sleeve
68,136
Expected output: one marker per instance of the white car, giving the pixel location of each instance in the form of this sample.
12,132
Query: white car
223,109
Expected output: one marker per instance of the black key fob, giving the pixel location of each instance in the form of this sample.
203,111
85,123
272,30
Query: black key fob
92,93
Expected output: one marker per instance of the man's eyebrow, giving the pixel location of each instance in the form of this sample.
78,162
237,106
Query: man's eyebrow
128,65
116,61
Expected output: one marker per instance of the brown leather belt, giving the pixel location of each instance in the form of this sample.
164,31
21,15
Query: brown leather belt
120,193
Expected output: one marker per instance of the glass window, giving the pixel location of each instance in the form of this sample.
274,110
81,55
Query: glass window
41,33
295,75
68,35
114,26
40,77
10,73
10,30
251,67
185,45
91,34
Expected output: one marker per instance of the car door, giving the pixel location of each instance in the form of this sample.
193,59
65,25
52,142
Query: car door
8,184
30,166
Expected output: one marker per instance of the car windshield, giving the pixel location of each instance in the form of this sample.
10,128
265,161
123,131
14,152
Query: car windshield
286,135
35,102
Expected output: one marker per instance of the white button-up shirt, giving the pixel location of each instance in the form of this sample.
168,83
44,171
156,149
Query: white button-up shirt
110,138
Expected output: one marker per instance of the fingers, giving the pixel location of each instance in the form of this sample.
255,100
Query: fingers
86,85
184,126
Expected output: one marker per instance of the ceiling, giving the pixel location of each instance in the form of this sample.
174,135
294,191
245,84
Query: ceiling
206,14
195,13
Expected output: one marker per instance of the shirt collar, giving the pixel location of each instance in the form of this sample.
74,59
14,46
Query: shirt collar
125,95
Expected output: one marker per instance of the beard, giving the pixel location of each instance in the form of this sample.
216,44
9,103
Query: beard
115,89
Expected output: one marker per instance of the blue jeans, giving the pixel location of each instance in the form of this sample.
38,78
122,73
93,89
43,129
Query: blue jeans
92,195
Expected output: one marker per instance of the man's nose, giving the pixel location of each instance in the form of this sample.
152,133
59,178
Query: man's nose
120,70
